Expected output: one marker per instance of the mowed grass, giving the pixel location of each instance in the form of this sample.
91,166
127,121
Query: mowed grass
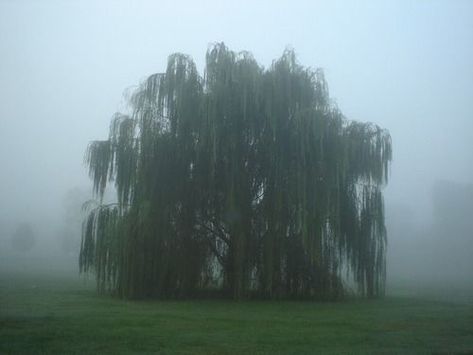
62,316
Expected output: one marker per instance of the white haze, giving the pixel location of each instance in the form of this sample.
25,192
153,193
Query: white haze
405,65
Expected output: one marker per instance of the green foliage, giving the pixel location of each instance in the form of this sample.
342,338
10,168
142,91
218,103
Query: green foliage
246,181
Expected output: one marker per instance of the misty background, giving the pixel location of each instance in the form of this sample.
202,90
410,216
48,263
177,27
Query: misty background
404,65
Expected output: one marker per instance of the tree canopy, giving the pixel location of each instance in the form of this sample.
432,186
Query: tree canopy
23,239
244,181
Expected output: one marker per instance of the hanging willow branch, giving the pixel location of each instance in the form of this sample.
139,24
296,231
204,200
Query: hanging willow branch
245,181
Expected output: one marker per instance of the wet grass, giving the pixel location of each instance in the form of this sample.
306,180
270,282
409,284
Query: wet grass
58,315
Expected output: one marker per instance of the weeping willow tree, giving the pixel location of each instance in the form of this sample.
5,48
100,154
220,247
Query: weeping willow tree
246,181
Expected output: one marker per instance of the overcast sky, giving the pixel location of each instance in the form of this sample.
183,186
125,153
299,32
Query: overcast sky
64,65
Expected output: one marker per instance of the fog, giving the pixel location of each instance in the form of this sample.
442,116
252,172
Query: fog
404,65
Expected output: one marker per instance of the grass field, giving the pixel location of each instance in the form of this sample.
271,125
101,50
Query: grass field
59,315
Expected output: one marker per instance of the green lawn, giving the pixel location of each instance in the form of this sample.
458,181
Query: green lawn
58,315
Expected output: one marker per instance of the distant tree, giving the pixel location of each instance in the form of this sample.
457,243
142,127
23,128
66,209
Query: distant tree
453,208
452,231
70,232
245,180
23,239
